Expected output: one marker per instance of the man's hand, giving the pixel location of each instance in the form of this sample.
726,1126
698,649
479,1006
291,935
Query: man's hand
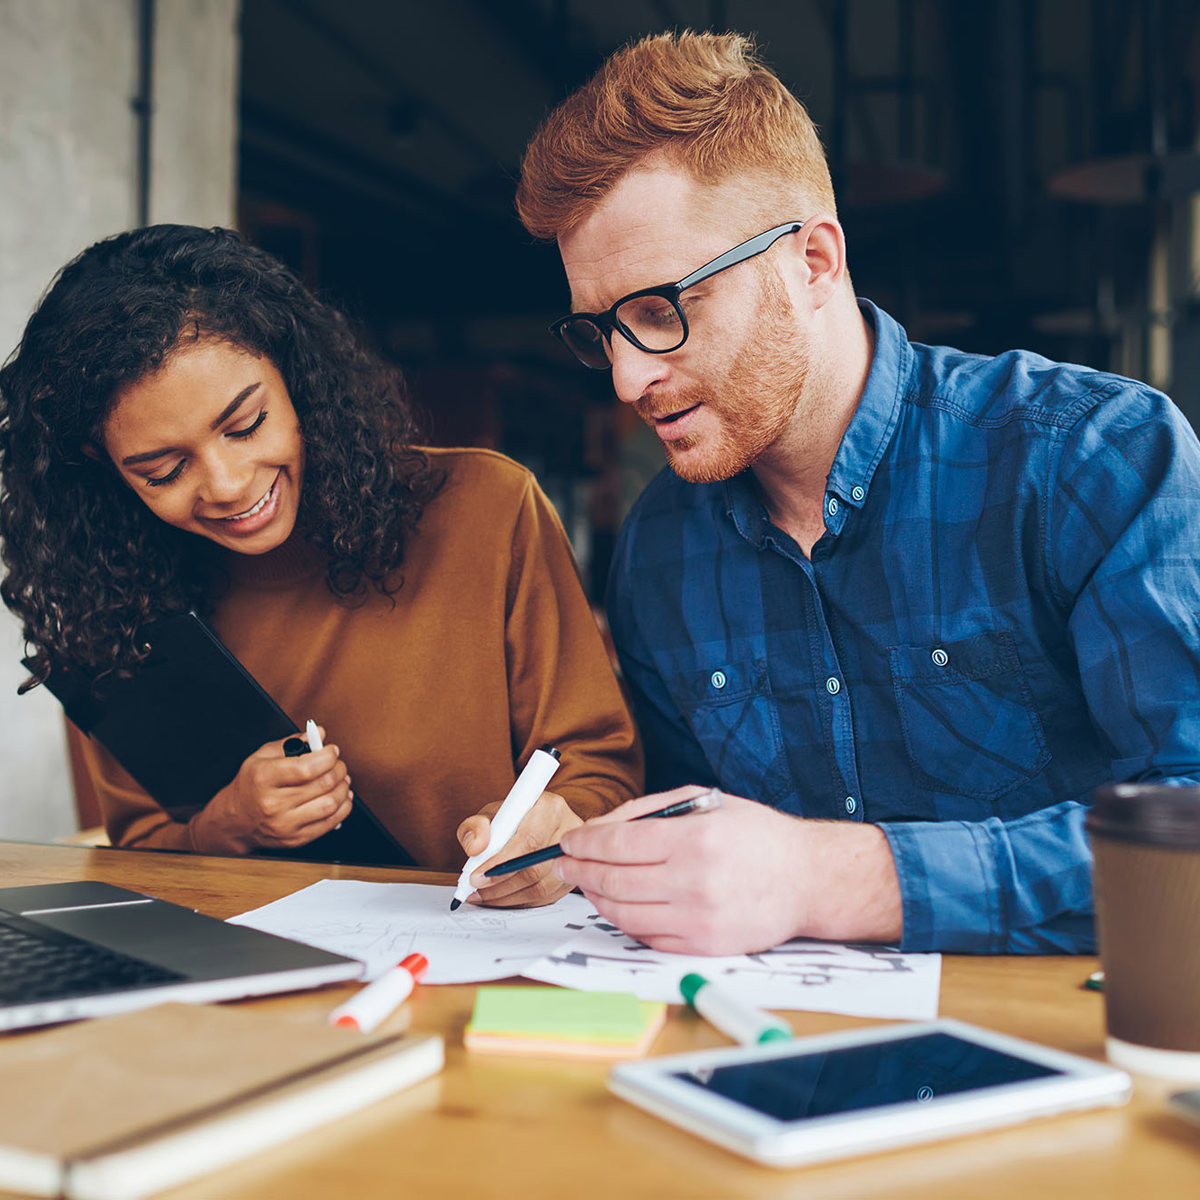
741,878
275,801
544,824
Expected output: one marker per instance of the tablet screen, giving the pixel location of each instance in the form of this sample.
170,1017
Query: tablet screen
854,1078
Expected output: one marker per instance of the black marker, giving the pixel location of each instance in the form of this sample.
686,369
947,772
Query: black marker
705,802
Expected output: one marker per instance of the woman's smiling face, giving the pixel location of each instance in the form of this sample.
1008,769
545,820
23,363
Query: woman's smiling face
211,444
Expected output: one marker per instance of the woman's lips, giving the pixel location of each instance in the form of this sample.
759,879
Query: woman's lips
258,516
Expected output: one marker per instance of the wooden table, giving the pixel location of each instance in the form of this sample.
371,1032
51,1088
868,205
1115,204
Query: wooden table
498,1126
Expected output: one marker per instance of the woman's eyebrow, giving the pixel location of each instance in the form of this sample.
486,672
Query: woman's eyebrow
232,406
226,413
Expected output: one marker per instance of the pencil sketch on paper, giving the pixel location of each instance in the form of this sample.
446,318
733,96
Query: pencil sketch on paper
861,980
380,923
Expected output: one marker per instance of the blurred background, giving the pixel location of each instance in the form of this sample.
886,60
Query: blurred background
1010,173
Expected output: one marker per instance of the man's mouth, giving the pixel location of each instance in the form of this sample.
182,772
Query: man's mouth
671,418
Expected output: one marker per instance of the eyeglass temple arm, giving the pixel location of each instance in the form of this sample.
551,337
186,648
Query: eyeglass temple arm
739,253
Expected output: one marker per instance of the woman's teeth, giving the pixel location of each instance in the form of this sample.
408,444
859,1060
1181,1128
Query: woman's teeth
257,508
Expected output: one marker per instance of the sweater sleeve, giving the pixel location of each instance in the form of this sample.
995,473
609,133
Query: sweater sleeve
131,816
562,689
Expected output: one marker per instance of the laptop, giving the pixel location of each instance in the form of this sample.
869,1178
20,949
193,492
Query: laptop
85,949
183,723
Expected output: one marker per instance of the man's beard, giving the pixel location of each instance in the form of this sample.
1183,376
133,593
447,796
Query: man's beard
755,402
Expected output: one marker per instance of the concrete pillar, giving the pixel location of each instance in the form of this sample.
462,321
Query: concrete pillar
69,174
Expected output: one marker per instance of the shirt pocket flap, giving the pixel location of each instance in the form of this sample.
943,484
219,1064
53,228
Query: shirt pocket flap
967,713
725,683
732,714
977,658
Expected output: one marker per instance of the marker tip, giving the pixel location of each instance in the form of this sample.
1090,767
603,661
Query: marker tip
454,904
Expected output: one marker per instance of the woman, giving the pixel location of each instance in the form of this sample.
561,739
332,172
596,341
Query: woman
185,426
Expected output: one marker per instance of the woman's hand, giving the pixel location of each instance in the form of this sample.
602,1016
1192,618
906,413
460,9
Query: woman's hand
544,824
275,801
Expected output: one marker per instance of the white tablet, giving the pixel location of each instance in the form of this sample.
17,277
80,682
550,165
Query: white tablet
817,1098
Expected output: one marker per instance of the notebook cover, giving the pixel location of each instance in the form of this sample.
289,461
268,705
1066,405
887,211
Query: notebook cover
118,1087
184,722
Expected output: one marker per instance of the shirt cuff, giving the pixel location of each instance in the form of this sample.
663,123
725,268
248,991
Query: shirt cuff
948,887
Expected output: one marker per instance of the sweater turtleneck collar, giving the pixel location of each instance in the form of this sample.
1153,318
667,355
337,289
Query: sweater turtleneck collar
294,561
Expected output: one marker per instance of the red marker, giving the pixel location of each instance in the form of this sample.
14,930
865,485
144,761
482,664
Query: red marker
371,1005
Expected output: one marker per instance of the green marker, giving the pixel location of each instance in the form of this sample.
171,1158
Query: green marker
730,1015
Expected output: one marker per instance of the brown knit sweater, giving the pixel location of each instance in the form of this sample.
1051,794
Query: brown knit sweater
488,651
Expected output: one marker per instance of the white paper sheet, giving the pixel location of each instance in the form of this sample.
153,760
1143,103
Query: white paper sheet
380,923
861,981
571,945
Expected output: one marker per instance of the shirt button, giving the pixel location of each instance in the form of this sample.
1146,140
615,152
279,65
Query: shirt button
851,805
832,686
833,506
858,493
940,657
718,679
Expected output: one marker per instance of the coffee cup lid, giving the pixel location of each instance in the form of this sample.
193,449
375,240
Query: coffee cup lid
1149,813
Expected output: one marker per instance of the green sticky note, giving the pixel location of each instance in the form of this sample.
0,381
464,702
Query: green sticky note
551,1012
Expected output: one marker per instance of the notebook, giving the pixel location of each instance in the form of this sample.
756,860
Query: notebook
562,1022
86,949
128,1105
184,722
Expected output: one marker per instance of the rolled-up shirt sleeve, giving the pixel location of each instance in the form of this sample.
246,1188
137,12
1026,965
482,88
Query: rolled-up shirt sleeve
1123,563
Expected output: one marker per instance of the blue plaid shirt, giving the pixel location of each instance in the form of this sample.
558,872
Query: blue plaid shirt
1002,614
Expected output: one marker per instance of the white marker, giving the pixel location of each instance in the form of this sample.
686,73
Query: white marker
731,1015
313,734
380,998
531,783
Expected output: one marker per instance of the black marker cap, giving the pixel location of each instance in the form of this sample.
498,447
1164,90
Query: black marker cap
550,750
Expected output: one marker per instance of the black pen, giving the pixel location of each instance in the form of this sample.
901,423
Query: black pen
705,802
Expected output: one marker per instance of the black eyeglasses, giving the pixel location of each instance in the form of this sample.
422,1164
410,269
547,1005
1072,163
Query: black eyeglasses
652,319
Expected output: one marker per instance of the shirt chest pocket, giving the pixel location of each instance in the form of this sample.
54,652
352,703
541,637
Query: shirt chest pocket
733,714
967,712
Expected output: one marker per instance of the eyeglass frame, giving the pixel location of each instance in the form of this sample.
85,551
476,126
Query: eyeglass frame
608,323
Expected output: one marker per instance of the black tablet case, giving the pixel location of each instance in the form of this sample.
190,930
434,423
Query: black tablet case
183,723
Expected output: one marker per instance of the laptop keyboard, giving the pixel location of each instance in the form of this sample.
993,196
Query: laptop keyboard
38,964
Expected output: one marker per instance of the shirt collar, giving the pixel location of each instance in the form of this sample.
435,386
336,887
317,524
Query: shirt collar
864,442
744,507
874,421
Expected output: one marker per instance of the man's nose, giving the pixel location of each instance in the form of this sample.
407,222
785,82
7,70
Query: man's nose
634,371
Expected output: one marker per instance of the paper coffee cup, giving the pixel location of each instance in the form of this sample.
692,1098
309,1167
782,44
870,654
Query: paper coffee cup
1146,847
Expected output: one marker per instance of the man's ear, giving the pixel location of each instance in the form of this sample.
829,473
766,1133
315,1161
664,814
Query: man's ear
92,452
824,258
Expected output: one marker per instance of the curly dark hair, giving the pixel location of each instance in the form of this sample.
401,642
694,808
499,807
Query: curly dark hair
88,562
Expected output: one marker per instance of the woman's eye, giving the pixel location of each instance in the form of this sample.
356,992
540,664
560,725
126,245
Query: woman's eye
174,473
169,477
249,430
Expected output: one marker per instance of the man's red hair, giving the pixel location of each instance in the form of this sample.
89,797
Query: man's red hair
704,102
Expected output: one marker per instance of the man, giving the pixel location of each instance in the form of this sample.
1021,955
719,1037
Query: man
916,604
